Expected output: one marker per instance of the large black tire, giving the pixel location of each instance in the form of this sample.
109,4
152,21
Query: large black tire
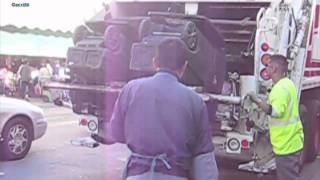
24,139
311,127
80,33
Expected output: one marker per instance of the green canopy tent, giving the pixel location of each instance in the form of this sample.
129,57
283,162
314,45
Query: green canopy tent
34,45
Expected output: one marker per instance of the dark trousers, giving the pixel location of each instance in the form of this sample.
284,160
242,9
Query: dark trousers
2,87
24,89
288,166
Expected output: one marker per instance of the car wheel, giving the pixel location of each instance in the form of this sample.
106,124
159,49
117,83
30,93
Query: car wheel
45,99
17,138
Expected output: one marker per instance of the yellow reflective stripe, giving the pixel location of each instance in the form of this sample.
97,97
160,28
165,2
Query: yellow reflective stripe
277,122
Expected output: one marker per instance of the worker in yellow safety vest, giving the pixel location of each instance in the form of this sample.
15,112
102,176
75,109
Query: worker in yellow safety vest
286,131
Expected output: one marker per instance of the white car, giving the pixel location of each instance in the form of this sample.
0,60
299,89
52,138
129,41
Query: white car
20,123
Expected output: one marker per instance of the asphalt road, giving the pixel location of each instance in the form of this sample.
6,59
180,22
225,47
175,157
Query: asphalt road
53,156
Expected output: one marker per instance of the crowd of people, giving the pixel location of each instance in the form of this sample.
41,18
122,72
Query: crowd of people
28,81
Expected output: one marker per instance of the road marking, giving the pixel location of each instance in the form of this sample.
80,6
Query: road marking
63,123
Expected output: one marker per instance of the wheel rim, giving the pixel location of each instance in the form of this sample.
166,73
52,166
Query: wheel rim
192,37
18,139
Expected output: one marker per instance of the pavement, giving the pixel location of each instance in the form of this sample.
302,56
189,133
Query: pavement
54,157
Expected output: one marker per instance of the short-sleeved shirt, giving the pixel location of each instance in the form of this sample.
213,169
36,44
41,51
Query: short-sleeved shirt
44,74
25,73
158,114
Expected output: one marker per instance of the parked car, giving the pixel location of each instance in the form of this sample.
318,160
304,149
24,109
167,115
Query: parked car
20,123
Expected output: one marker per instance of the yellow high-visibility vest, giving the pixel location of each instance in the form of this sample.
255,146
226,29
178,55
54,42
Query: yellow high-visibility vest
286,131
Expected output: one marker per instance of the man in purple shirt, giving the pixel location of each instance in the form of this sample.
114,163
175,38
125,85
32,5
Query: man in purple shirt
164,123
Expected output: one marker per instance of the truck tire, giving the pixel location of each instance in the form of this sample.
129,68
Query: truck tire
23,139
311,127
80,33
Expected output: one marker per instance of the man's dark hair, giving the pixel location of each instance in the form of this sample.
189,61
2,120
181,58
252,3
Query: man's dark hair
281,62
171,54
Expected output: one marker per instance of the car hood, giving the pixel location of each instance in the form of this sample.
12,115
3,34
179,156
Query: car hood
9,103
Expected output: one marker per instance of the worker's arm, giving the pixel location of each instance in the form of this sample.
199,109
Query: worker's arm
204,133
265,107
204,165
278,102
262,104
115,131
